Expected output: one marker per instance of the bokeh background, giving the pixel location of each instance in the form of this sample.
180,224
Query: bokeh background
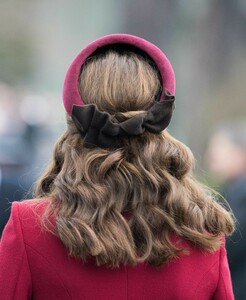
204,40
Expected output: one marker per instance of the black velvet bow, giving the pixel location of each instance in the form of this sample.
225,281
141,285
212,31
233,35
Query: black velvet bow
98,129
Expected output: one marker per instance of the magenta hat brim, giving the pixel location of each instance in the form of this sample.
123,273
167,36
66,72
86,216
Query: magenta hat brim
71,95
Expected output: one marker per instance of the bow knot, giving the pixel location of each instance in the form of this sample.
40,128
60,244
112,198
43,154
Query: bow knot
99,129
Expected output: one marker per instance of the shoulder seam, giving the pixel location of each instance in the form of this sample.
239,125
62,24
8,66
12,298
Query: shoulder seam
44,258
221,274
15,207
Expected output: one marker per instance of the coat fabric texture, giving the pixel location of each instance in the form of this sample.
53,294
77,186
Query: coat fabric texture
34,264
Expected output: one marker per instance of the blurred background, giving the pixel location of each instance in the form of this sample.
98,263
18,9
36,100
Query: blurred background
204,40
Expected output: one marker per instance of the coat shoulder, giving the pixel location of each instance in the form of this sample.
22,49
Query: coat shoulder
28,214
30,206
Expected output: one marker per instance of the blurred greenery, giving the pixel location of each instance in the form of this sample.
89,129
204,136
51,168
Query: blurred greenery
16,65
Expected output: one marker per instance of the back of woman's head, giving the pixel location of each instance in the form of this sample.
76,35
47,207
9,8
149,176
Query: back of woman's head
119,82
121,204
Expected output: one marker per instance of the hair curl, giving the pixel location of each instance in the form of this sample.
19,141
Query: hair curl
122,205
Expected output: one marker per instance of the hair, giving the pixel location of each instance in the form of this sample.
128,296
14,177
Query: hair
122,205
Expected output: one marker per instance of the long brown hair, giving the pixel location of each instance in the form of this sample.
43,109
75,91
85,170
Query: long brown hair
122,205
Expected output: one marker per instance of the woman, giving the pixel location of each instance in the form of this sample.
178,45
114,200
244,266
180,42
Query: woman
117,214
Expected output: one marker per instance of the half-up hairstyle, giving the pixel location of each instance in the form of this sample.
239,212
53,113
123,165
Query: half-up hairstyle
123,205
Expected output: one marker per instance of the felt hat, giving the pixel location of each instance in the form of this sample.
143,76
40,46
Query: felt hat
71,95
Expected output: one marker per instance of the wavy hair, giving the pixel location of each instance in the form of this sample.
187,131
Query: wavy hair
122,205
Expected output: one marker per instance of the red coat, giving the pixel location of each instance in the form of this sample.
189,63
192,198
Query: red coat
35,265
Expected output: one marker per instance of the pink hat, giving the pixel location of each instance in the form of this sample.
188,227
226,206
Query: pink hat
71,95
